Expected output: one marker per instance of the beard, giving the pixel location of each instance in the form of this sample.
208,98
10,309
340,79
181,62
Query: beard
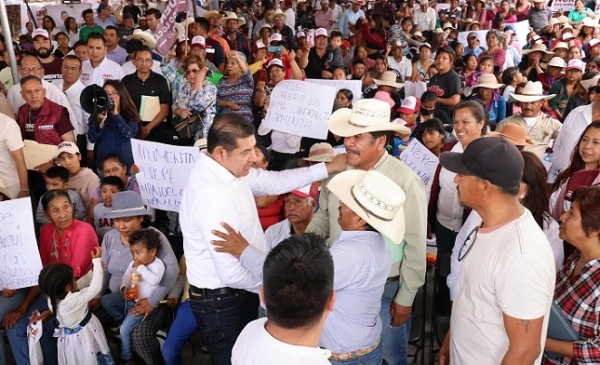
44,52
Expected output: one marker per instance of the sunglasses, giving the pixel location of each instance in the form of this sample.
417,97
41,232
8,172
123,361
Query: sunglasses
192,72
465,248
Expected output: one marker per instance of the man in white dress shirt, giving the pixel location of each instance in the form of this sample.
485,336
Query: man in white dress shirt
72,87
298,292
99,68
31,65
220,189
425,16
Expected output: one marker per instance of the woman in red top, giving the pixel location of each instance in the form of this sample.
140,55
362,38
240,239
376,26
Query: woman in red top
66,239
373,33
522,10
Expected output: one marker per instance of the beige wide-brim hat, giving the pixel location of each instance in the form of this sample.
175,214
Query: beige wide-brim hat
533,91
589,22
138,33
375,198
538,47
388,79
487,81
320,152
366,115
515,134
590,82
278,12
209,14
231,16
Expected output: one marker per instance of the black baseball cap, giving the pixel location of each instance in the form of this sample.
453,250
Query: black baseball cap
127,16
490,158
447,50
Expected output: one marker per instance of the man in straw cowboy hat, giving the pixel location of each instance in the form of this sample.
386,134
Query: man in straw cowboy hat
501,307
366,128
236,40
542,127
220,189
370,207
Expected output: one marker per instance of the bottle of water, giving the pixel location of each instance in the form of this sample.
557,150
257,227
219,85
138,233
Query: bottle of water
549,148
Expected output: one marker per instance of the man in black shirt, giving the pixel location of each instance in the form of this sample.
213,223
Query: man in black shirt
315,62
130,8
145,82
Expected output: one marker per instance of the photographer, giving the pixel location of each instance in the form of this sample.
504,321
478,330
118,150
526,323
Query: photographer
113,129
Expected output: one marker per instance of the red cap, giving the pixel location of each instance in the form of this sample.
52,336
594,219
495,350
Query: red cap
308,191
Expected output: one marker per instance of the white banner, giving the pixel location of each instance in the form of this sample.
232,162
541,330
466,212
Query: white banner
300,108
422,162
20,262
566,5
521,30
164,171
353,85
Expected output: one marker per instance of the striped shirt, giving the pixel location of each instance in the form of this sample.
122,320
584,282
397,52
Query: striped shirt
362,263
240,92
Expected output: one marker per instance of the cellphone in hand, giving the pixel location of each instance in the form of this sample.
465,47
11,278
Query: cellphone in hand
209,74
274,49
262,75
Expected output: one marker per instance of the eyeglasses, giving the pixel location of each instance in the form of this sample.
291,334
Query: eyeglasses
113,93
144,60
30,69
461,254
192,72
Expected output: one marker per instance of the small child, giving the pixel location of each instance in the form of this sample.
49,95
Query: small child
334,56
486,65
81,339
109,186
145,271
358,69
339,73
57,177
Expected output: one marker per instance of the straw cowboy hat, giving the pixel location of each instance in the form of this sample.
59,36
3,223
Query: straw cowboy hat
555,62
538,47
277,13
320,152
375,198
366,115
486,81
514,133
232,16
140,34
590,82
388,78
127,204
209,14
533,91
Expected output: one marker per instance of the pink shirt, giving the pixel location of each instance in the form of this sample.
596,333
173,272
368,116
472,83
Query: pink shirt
322,19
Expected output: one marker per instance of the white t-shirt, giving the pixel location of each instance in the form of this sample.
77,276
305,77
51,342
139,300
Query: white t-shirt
106,70
256,346
404,66
449,210
509,269
10,141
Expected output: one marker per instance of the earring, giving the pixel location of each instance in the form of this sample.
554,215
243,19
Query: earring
522,197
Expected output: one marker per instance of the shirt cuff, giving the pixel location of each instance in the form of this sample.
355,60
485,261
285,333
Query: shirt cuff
318,172
250,256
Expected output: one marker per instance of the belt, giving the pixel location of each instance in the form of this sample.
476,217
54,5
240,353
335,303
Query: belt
218,291
355,354
391,279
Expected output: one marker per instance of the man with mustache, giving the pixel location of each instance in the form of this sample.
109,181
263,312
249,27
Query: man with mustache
43,50
542,127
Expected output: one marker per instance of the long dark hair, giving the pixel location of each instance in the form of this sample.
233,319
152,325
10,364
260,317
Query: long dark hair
53,281
379,29
48,17
577,163
70,20
537,198
127,108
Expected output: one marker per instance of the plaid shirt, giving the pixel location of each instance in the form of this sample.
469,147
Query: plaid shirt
579,299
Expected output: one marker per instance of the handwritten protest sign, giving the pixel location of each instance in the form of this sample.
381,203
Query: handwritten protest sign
421,161
20,262
300,108
353,85
164,171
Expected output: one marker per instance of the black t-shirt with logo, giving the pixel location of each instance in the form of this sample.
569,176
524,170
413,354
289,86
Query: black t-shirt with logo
444,86
53,70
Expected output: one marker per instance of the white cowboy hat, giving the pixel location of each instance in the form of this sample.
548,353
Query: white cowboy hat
590,82
388,78
231,16
278,12
209,14
557,62
589,22
538,47
533,91
366,115
375,198
487,81
138,33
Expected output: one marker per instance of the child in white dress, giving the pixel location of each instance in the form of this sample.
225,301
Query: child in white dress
81,338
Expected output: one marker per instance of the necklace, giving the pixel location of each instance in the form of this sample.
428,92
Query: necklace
31,116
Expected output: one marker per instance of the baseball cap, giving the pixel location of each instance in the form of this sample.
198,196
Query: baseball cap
346,44
300,35
182,39
575,64
491,158
593,42
276,37
40,33
321,32
275,62
127,16
410,105
68,147
472,35
445,49
102,6
199,41
258,45
308,191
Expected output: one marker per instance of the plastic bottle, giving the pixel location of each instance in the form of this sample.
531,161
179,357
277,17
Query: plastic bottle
133,285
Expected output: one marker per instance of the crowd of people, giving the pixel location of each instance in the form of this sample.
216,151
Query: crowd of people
297,249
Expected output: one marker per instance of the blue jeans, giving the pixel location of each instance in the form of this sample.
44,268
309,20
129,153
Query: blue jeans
221,319
18,336
114,304
394,340
129,324
182,329
372,358
7,305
